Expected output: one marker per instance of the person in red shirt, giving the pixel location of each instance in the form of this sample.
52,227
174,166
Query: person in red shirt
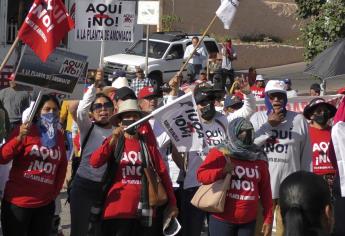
124,199
258,89
250,182
319,112
37,175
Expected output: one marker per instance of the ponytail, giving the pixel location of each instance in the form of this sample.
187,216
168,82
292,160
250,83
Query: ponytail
294,222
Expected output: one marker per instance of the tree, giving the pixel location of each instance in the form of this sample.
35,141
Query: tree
325,23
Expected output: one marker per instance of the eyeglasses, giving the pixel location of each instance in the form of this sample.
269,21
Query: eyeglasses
99,106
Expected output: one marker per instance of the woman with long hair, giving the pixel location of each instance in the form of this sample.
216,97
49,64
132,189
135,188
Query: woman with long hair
305,205
38,172
93,114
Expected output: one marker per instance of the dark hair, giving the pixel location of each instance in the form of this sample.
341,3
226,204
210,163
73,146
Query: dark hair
251,69
195,37
100,95
45,98
303,197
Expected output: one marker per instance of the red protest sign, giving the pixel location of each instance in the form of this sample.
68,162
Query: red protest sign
44,27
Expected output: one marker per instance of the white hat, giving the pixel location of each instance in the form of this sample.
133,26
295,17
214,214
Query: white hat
120,82
259,78
275,86
129,105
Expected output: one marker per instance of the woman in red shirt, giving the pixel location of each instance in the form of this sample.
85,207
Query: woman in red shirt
123,208
319,112
37,174
250,182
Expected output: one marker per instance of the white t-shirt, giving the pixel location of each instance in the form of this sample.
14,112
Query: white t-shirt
287,146
196,59
215,134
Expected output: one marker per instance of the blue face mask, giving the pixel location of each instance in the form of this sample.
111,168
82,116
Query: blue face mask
48,125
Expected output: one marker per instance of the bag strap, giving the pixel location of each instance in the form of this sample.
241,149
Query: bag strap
147,157
114,160
86,139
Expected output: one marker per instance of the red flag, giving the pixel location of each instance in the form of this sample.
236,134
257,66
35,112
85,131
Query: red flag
45,26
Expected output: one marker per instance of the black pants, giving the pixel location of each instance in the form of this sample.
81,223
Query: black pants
339,209
19,221
124,227
192,217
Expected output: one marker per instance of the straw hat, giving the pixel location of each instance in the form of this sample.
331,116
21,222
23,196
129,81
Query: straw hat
129,105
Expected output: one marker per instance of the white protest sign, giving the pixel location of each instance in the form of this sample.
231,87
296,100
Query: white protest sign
104,20
181,121
148,12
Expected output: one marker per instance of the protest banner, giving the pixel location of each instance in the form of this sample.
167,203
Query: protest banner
43,28
297,104
108,20
60,73
182,123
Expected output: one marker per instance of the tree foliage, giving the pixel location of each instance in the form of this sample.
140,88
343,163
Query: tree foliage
325,23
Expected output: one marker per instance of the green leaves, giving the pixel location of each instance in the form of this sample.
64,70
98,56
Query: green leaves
325,23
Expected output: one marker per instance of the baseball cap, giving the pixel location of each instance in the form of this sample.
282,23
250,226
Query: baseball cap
231,101
125,93
259,78
202,92
147,92
275,86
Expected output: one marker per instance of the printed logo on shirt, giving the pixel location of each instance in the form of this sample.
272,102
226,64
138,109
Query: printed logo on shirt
43,165
131,167
320,157
242,180
278,143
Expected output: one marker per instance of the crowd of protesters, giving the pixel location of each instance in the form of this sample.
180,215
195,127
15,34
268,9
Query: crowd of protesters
282,176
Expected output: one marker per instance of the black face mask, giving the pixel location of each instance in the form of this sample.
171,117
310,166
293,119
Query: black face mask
208,112
131,131
321,119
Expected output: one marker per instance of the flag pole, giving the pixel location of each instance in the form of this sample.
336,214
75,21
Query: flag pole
200,41
158,110
8,55
37,102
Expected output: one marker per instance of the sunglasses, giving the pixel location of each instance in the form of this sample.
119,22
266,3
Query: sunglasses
99,106
280,96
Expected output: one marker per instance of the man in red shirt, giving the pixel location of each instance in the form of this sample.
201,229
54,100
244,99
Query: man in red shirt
319,112
258,89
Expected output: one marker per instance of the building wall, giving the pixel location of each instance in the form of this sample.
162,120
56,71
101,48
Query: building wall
270,17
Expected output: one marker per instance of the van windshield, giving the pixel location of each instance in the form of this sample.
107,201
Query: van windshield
156,49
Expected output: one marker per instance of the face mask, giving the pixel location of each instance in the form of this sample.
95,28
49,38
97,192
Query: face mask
321,119
48,124
131,131
208,112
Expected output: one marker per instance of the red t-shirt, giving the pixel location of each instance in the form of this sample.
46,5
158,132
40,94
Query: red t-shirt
123,197
257,91
250,182
37,173
320,142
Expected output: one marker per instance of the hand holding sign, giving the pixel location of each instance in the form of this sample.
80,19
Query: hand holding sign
23,131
